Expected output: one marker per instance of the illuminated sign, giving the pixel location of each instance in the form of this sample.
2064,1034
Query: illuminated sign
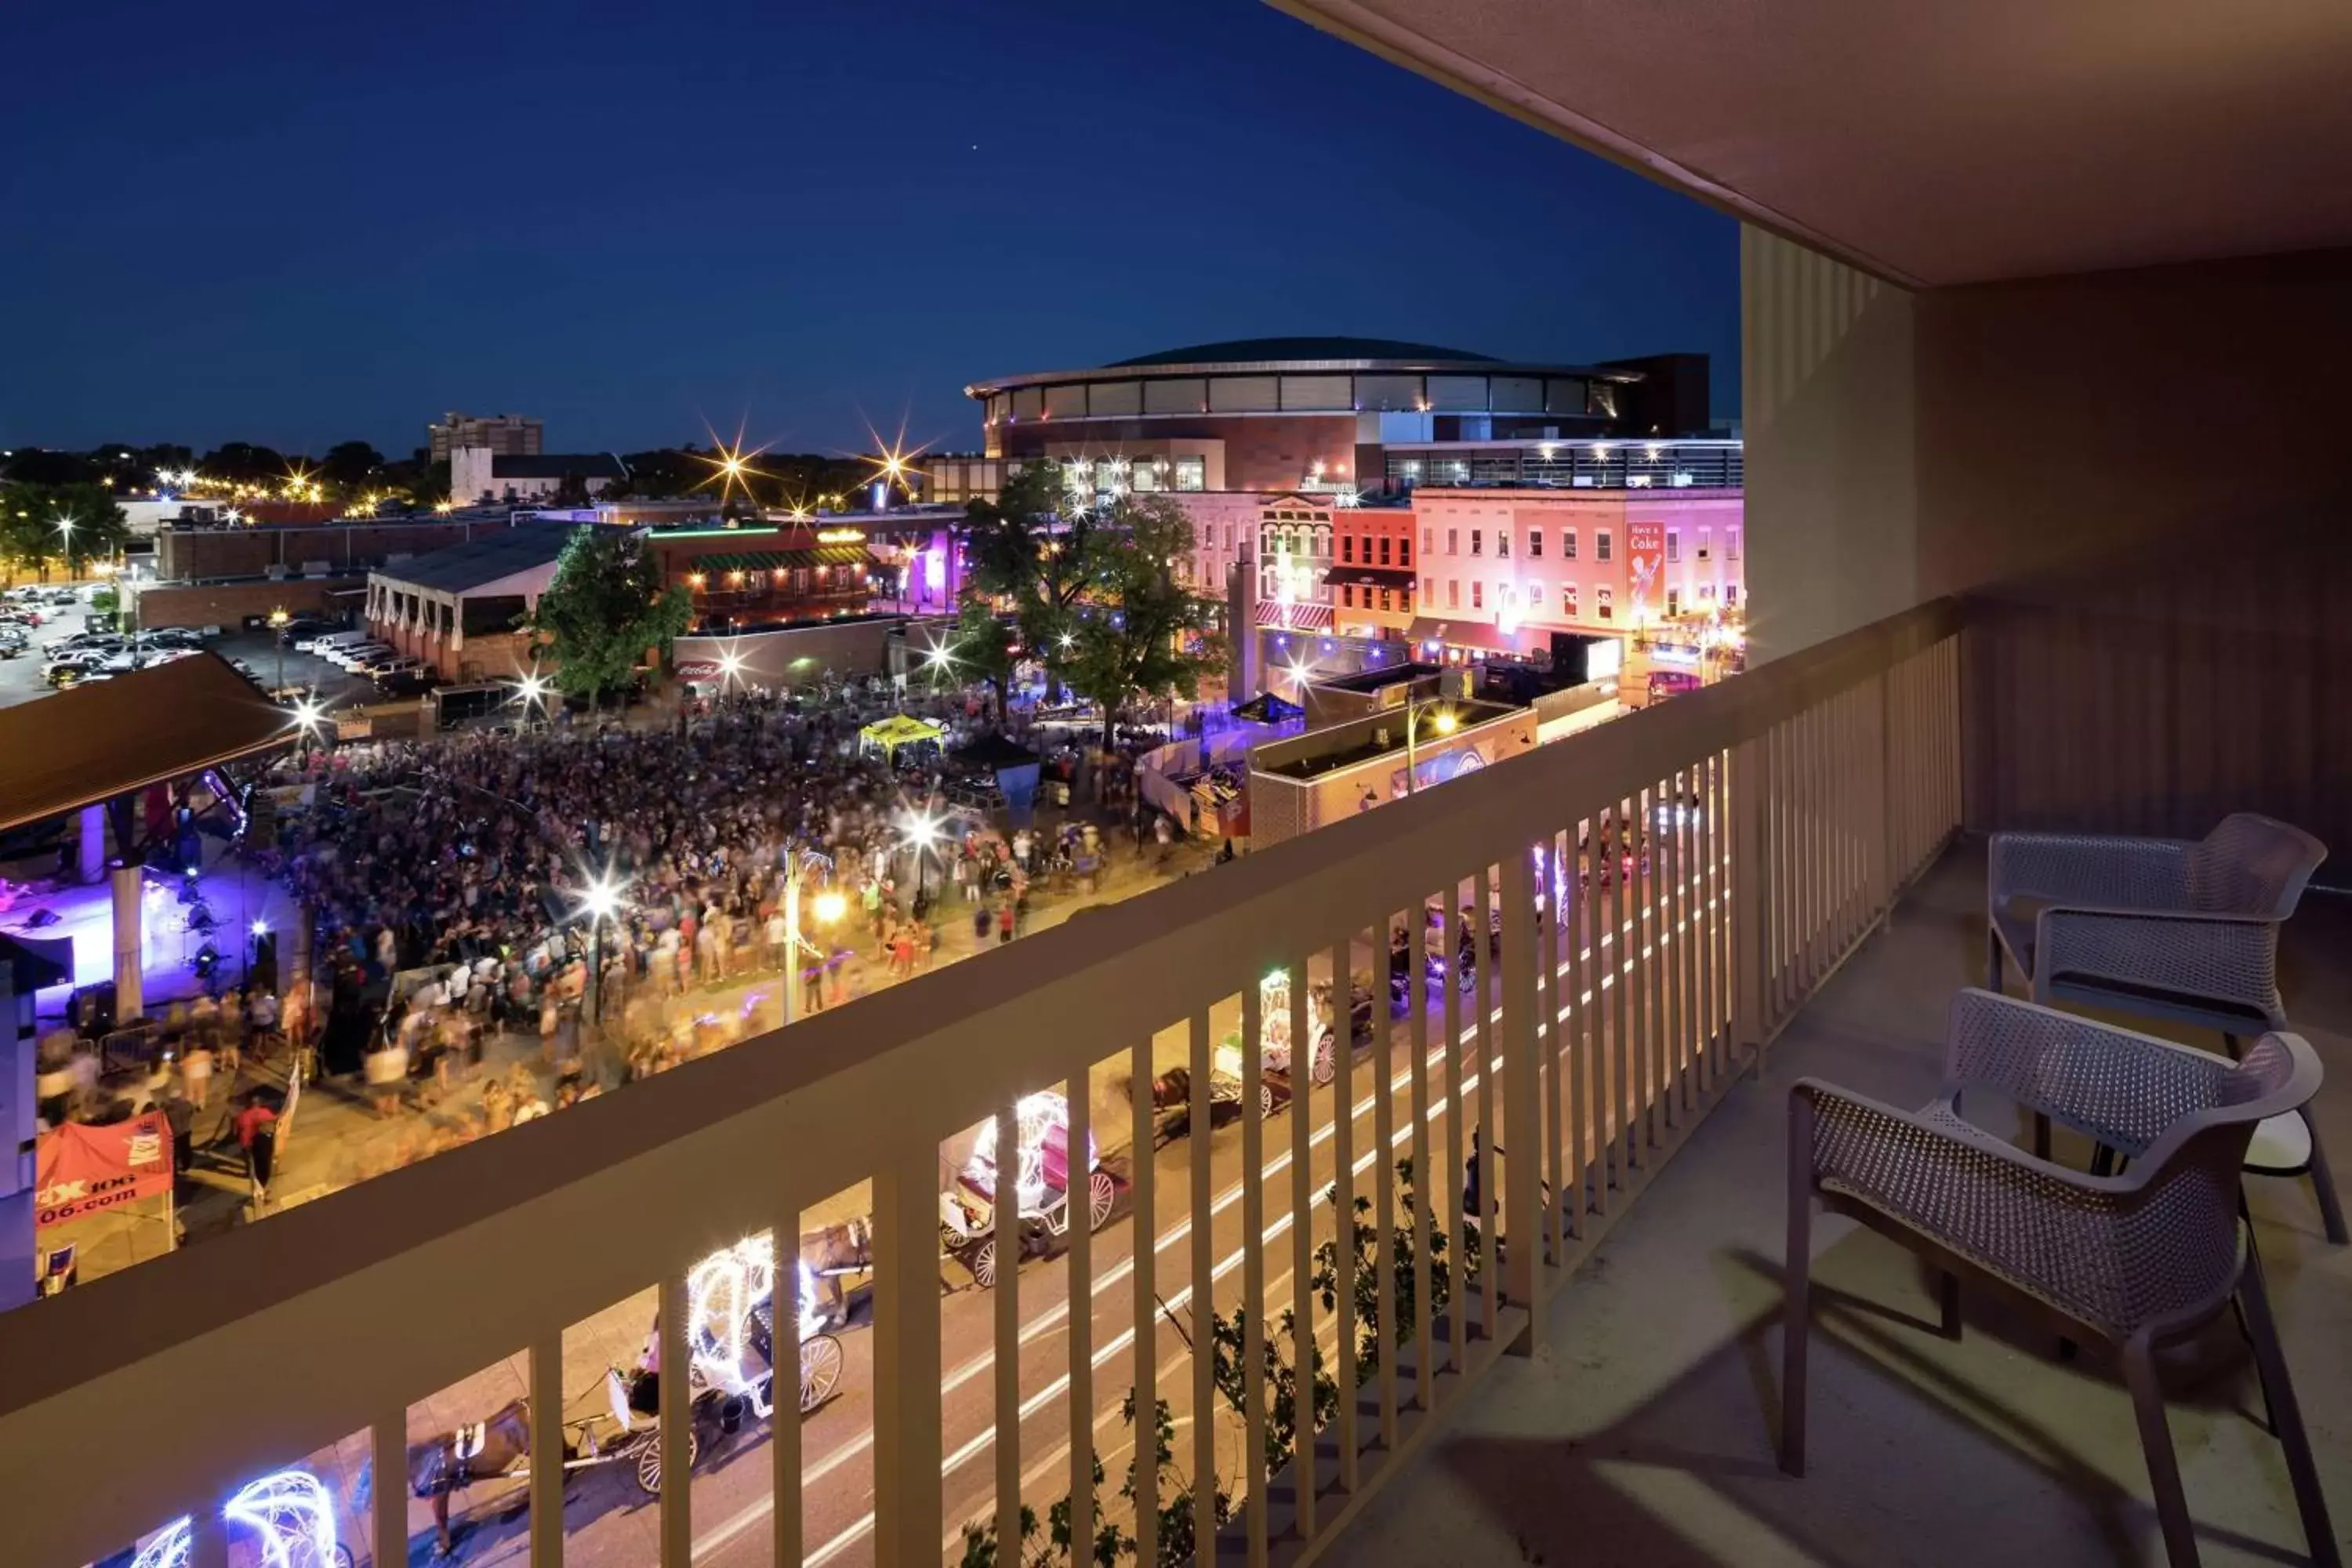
842,536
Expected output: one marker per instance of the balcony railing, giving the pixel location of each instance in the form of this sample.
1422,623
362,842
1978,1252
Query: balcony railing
1606,1016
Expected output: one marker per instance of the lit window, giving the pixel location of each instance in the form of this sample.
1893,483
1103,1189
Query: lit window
1477,540
1601,599
1426,590
1427,534
1705,538
1477,596
1567,600
1384,599
1731,593
1452,593
1191,473
1535,545
1535,596
1502,541
1673,545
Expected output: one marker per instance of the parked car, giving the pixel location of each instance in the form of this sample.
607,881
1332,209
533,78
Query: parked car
400,664
359,656
176,636
303,629
408,683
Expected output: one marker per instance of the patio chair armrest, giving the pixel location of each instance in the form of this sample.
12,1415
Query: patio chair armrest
2069,868
2227,959
1894,1156
2123,1088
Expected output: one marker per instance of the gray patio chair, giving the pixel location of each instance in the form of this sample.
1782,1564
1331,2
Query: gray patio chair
2134,1260
2163,929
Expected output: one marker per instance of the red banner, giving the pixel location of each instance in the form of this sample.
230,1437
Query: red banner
84,1171
1645,554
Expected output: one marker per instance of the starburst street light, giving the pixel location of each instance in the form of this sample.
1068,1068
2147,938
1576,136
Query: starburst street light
940,657
602,898
732,468
894,462
532,691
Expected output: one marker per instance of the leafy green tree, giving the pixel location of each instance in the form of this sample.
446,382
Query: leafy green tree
33,519
606,609
243,463
1039,554
36,466
1141,634
417,478
981,645
27,539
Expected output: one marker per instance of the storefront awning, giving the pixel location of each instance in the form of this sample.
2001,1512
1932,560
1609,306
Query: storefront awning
1295,616
782,560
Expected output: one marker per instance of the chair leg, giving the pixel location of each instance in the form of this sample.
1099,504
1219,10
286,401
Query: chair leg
2286,1418
2230,1042
1797,1317
2323,1184
2040,1136
2156,1445
2103,1160
1993,959
1950,1292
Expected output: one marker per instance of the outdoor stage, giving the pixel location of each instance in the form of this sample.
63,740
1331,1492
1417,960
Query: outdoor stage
236,896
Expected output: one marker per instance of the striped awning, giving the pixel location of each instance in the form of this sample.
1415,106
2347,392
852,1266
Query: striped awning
1370,576
1300,616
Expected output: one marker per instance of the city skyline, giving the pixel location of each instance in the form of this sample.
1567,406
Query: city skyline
644,233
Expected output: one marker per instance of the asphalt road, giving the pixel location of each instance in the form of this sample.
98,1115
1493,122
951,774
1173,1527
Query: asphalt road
608,1521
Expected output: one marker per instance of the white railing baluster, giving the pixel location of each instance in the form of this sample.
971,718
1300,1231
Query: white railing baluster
1204,1296
1143,1193
1483,910
1384,1180
1430,1209
1449,1189
1080,1399
1343,1188
1523,1213
1303,1047
677,1415
908,1502
1253,1477
1006,1356
546,1368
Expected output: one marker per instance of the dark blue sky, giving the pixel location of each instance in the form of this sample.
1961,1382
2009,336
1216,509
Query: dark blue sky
297,223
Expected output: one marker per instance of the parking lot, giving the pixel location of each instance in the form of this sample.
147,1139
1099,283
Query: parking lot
21,678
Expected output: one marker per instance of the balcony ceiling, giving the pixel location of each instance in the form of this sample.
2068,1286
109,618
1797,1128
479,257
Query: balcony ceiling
1934,142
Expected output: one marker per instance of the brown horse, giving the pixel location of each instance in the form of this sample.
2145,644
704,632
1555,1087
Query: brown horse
480,1452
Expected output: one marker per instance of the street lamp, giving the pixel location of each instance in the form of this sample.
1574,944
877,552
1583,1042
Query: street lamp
311,715
532,693
599,901
1443,720
826,908
277,619
922,834
65,531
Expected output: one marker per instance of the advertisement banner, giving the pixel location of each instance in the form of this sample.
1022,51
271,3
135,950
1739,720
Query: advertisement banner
1646,557
84,1171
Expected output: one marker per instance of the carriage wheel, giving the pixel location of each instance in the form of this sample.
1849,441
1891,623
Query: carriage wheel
649,1465
1101,1193
820,1371
983,1264
1265,1100
1327,1058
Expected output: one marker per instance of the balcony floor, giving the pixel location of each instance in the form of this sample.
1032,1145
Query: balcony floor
1643,1431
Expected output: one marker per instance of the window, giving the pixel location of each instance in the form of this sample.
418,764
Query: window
1477,540
1601,544
1453,541
1674,602
1731,544
1535,545
1477,596
1535,596
1601,598
1146,475
1426,588
1384,550
1567,544
1673,545
1567,600
1405,552
1347,548
1191,473
1452,593
1731,593
1427,534
1502,541
1348,595
1384,599
1706,537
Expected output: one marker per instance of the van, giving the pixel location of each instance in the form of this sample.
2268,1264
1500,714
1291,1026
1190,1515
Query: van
341,639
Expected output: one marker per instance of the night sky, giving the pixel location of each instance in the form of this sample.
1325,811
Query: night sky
298,223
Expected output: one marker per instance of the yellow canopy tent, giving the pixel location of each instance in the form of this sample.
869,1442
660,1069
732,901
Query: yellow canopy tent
900,729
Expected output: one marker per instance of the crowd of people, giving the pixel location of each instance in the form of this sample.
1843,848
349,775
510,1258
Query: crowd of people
453,882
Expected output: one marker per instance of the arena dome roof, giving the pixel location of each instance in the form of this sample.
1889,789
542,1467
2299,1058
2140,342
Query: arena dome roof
1251,349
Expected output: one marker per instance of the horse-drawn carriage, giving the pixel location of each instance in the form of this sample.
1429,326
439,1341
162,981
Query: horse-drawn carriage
730,1368
1042,1180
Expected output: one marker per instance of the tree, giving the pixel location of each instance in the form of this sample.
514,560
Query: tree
33,466
1035,551
423,481
33,518
1142,633
243,463
1227,1349
350,467
606,608
983,646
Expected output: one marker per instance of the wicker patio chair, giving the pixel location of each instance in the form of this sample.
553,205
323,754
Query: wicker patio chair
2163,929
2134,1260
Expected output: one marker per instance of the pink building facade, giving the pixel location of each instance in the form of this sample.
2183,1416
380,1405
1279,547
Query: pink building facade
1500,569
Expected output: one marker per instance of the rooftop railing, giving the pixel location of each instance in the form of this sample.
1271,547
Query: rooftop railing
1599,938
